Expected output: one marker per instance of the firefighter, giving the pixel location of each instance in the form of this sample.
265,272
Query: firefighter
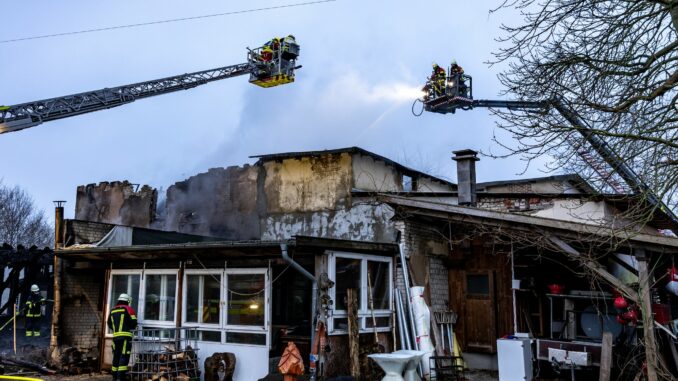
122,321
286,42
457,74
33,311
437,80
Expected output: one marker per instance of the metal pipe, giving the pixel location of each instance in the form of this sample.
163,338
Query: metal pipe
406,278
404,338
314,293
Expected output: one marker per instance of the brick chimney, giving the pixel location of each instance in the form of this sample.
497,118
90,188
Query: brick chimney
466,176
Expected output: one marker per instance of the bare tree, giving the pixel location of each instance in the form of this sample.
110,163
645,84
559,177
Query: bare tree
21,223
616,63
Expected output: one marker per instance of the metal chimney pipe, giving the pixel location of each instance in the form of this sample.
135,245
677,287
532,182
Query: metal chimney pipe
466,176
59,224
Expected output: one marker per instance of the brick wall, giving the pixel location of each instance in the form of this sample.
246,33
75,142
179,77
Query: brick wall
425,248
515,204
85,232
81,317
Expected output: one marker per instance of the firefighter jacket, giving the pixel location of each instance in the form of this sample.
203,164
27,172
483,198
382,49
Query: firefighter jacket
122,320
33,304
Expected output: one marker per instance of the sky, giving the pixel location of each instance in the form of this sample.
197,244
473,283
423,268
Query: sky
363,63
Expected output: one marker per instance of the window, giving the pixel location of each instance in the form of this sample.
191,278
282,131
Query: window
203,298
358,272
153,294
233,301
478,284
123,282
160,292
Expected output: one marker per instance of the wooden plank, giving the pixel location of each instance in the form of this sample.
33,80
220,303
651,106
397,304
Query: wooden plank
353,329
648,319
606,358
596,268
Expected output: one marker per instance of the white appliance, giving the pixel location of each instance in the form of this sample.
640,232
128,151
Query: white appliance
515,359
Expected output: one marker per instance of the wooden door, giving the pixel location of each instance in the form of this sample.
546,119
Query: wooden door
480,311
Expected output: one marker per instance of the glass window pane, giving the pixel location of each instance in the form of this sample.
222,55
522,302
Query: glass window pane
379,275
159,297
192,298
246,299
207,309
347,276
478,284
125,284
212,336
245,338
211,299
382,322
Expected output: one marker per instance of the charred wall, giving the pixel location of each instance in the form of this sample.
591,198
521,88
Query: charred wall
221,202
117,202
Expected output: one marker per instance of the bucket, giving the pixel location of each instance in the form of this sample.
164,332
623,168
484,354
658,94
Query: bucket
515,284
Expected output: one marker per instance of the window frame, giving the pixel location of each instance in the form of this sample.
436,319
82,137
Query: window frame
364,313
142,300
223,327
109,295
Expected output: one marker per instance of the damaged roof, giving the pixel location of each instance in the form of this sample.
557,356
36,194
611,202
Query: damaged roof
473,215
351,150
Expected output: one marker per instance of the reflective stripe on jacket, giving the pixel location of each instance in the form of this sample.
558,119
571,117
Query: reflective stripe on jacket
122,320
33,304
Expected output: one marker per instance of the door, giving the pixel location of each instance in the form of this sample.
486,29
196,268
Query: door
480,312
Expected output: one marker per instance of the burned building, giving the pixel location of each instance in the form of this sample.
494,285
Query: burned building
342,210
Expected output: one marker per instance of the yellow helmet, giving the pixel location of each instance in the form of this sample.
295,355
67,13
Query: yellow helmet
435,65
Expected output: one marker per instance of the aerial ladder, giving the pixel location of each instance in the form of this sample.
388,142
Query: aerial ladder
270,65
456,93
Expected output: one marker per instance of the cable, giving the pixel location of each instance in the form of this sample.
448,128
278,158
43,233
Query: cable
167,21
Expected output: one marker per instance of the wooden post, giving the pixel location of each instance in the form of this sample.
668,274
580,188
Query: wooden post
648,320
353,331
605,357
14,318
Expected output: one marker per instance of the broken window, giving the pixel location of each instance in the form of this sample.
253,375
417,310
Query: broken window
358,272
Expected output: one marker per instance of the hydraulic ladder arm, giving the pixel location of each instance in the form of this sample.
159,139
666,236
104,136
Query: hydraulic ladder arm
277,70
456,98
30,114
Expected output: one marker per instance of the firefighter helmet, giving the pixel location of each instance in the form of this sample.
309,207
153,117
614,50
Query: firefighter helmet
125,298
454,62
35,288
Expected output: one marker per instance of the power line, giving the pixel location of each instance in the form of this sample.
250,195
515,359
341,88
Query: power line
167,21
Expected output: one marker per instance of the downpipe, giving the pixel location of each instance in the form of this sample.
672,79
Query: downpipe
314,301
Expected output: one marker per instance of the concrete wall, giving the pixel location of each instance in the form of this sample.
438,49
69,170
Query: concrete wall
307,184
375,175
116,202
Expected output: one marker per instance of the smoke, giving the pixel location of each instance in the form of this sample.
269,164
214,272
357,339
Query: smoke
351,86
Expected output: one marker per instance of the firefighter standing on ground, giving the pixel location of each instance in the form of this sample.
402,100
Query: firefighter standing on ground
33,311
122,321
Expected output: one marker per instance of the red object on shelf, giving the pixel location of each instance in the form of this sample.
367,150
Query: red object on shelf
620,303
556,288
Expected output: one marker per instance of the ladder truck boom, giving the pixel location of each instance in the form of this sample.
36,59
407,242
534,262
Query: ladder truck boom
274,69
457,93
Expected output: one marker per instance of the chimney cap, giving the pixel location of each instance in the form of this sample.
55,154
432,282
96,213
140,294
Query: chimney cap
465,154
59,203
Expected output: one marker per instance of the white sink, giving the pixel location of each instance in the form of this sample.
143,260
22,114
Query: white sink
393,364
